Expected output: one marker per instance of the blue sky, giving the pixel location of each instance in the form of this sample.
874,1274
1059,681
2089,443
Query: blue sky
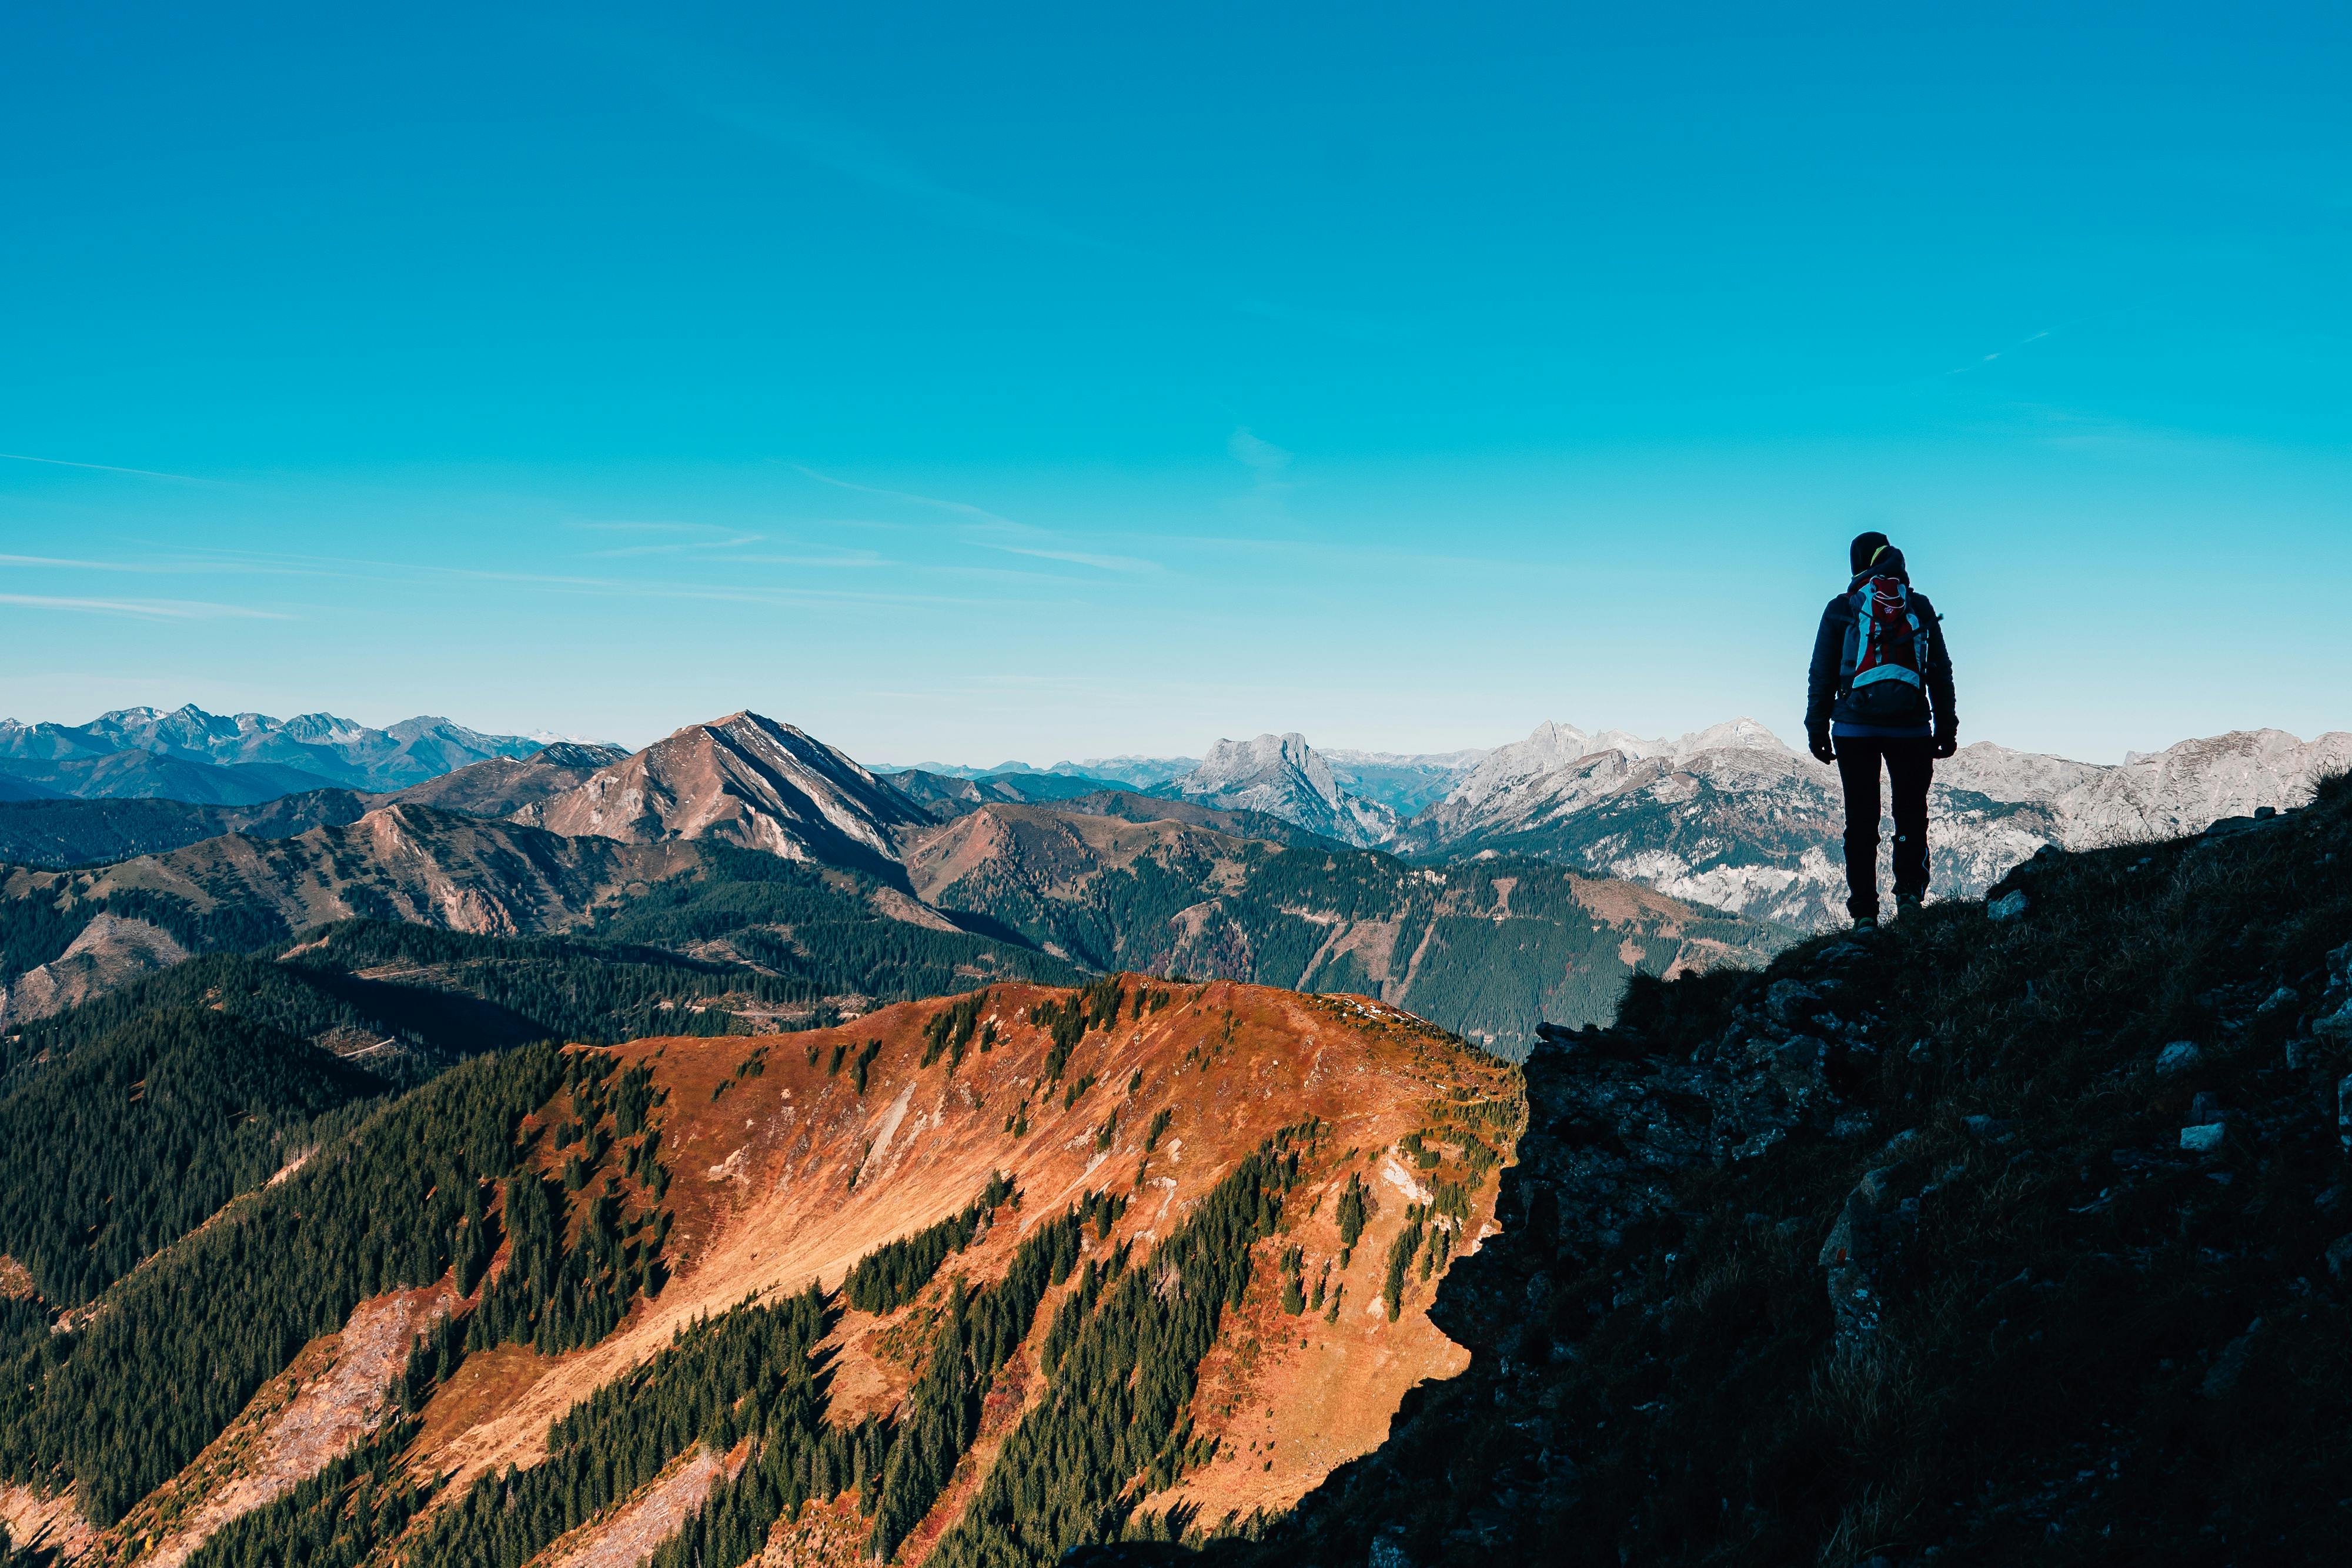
1036,381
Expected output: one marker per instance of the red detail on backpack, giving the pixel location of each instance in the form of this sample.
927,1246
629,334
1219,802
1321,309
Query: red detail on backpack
1887,631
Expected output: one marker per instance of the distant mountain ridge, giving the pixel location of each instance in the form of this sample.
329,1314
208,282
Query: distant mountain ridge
1730,816
944,795
51,832
239,760
1405,784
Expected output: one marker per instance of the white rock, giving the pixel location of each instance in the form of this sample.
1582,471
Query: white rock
1284,777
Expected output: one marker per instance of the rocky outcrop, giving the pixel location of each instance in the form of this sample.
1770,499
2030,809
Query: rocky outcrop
111,951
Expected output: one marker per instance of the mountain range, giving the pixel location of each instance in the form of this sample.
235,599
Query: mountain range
1732,818
570,843
1729,816
241,760
1728,819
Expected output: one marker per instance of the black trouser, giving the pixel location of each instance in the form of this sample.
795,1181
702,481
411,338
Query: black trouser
1910,764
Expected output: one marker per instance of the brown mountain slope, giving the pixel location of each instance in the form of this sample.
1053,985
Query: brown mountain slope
404,863
742,779
783,1174
498,786
1489,948
764,1203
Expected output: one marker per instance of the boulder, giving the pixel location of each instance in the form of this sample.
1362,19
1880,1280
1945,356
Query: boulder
1849,1257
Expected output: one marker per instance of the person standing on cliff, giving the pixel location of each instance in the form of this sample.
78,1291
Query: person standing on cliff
1880,692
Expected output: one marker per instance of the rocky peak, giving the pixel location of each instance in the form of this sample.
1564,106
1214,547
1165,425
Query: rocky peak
744,779
1233,765
1284,777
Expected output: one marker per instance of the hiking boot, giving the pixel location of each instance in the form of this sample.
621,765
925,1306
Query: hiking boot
1907,905
1865,924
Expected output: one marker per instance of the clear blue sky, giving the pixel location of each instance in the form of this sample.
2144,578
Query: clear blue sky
989,382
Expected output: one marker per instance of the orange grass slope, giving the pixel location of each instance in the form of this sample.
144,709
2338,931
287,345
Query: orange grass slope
785,1173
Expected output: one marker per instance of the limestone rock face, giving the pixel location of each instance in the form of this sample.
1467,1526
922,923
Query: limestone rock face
111,951
1284,777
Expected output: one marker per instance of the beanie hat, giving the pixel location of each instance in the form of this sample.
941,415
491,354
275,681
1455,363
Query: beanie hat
1864,551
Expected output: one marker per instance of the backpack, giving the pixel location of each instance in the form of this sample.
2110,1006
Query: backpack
1882,677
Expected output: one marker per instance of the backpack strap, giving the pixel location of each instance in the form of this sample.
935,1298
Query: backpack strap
1857,639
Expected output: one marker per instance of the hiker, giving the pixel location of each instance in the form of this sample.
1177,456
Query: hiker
1881,691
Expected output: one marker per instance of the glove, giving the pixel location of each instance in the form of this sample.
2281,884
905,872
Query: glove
1818,742
1946,745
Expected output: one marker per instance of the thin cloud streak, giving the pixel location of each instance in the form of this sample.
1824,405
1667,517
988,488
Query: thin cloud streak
77,565
718,93
1080,557
963,509
1041,548
635,528
145,609
856,562
681,548
110,468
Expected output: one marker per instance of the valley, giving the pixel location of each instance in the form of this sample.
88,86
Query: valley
1488,948
770,868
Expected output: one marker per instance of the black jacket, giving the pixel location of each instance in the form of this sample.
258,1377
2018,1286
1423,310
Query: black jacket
1824,704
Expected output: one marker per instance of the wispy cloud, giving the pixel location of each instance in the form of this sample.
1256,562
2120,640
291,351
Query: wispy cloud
1265,460
679,546
993,531
1983,361
145,609
769,111
1080,557
962,509
109,468
852,560
724,591
721,91
61,562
